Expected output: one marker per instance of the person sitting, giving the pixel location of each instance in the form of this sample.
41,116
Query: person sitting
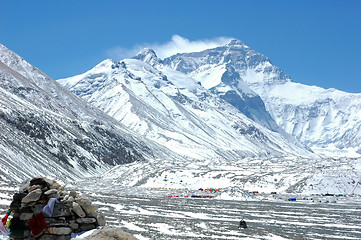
242,224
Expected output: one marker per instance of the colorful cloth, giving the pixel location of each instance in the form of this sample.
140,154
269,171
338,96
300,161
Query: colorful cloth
48,209
37,225
4,219
3,229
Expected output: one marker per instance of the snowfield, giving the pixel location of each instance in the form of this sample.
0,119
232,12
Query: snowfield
282,175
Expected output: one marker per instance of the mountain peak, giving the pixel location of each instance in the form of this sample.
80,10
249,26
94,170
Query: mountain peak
148,55
147,51
236,42
105,64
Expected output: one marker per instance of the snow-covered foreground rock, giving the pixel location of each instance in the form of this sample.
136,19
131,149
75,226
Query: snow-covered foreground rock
109,233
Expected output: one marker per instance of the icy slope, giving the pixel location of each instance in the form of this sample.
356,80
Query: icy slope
174,110
47,130
321,118
325,119
217,73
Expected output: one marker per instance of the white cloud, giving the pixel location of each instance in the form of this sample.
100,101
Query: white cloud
177,44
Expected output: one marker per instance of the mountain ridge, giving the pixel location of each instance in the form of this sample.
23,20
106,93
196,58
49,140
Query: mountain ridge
169,128
47,130
169,101
298,109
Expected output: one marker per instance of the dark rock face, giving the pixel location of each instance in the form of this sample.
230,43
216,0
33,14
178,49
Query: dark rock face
43,210
105,145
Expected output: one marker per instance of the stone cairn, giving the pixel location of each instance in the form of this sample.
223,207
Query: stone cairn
71,213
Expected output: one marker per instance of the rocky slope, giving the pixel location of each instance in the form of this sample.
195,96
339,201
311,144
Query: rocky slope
47,130
324,119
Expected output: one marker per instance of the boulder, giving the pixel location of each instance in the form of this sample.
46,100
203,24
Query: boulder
109,233
59,230
38,181
51,191
73,194
101,219
86,205
73,225
54,195
37,208
34,187
85,227
78,210
32,196
86,220
61,209
56,222
70,199
48,181
55,185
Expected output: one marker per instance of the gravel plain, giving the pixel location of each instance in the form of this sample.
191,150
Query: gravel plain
151,214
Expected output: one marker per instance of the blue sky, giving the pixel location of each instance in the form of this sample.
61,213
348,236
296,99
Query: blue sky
315,42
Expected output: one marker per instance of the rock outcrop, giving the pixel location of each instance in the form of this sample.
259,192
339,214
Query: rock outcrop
42,210
109,233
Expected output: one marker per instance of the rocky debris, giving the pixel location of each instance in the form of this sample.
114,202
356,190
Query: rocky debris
59,230
78,210
109,233
32,196
43,210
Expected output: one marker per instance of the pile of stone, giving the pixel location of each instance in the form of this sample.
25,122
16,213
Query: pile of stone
43,210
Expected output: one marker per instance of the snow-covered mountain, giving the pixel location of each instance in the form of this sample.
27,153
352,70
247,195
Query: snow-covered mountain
324,119
174,110
47,130
168,130
221,146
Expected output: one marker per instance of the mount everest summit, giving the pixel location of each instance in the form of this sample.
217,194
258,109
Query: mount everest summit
326,120
174,110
